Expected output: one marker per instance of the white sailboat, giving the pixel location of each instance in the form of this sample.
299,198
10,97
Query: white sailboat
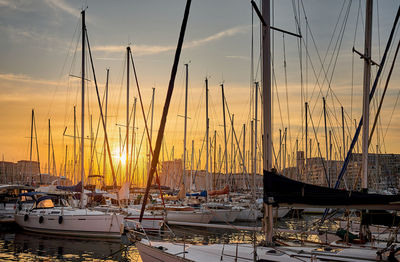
44,217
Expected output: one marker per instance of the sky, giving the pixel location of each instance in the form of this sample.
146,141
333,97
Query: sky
40,55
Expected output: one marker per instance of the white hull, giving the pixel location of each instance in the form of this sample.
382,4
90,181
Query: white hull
78,222
224,215
197,216
173,252
149,222
252,214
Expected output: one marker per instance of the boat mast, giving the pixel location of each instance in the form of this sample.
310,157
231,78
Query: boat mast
128,49
83,108
105,129
267,108
191,168
305,175
151,131
30,153
367,83
226,147
255,140
207,136
75,178
48,151
326,144
65,164
185,126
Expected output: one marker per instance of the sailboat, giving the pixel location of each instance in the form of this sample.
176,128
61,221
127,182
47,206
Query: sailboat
45,217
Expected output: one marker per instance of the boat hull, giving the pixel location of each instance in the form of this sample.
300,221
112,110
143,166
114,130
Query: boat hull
189,216
96,226
224,215
149,222
153,254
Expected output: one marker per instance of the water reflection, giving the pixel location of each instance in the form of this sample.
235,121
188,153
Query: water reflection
25,246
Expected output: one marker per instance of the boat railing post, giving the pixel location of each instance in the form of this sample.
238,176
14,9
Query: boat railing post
184,245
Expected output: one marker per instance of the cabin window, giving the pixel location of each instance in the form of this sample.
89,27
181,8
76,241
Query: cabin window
45,204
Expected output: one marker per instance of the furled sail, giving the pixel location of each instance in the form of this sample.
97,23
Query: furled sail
282,191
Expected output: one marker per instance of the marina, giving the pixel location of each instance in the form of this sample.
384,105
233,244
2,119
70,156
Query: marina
294,148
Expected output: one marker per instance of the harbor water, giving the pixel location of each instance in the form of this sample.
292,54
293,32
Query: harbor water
19,245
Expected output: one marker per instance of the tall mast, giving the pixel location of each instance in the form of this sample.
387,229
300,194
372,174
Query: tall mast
91,146
191,168
105,128
215,156
65,163
367,83
207,136
266,86
255,139
30,153
185,126
225,139
75,178
244,153
48,152
267,105
151,128
305,176
128,50
83,108
326,144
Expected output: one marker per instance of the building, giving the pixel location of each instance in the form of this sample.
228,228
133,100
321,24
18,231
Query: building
383,171
7,172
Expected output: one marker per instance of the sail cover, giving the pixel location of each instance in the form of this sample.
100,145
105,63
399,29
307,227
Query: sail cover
280,190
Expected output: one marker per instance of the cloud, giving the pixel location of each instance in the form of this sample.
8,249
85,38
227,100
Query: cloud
238,57
140,50
136,49
25,79
63,6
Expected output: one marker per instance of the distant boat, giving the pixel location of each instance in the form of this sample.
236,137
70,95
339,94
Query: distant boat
9,201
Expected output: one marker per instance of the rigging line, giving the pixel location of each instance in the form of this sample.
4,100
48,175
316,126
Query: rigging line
121,87
335,63
141,142
318,146
199,160
277,95
181,94
333,57
300,51
63,67
322,62
391,116
147,130
102,115
341,33
287,93
196,114
352,60
233,130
